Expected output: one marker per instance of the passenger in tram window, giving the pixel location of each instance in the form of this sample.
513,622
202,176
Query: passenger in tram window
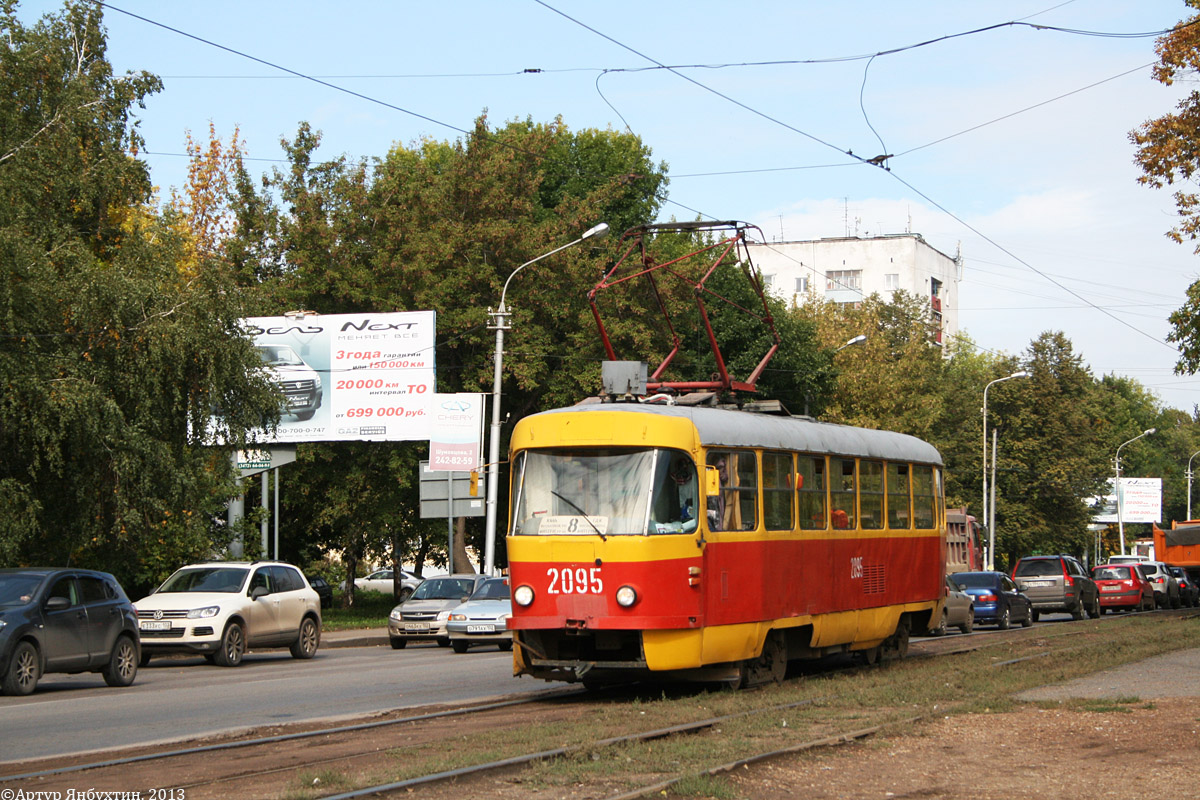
840,519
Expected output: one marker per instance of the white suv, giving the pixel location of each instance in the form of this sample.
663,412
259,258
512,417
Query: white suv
224,608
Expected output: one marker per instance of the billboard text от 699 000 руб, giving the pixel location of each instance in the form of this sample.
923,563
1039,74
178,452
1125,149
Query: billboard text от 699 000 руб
349,376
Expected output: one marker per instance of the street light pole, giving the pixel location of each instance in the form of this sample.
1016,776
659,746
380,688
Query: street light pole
1189,477
500,323
860,339
991,558
1117,487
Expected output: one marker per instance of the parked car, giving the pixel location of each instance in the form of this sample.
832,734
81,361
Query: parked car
1189,589
65,620
423,617
997,598
1057,583
1166,588
1123,587
381,581
221,609
484,618
322,588
958,611
1129,559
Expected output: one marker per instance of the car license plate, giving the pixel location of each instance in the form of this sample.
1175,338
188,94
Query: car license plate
1038,584
1110,588
155,625
416,626
481,629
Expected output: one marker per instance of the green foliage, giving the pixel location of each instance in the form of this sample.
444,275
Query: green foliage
441,226
111,360
1168,152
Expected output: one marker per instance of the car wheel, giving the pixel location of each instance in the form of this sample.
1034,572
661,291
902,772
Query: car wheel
309,639
506,645
1036,615
1003,621
940,630
1103,610
233,646
398,644
969,625
1028,620
24,669
145,659
1175,601
443,642
1094,609
1077,611
122,663
459,646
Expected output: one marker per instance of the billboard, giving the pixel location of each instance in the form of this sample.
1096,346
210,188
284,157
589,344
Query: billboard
456,431
1141,502
362,377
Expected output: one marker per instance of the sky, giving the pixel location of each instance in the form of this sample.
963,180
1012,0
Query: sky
1010,145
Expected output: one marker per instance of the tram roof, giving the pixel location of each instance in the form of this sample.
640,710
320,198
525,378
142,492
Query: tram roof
732,428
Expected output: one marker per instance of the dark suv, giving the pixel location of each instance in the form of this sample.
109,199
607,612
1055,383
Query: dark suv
1057,583
64,620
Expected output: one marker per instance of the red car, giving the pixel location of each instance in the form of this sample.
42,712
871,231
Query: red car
1123,587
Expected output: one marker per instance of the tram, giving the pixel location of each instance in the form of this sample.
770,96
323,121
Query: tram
715,544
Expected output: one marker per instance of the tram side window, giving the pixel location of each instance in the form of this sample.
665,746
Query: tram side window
842,474
870,494
779,498
898,501
812,492
924,496
735,507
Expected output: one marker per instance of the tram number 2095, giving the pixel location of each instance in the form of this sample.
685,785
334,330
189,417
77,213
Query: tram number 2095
575,580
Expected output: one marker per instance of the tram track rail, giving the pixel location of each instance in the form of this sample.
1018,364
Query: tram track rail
459,776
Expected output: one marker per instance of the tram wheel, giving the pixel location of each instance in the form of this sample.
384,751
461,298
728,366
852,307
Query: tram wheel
771,665
738,681
870,656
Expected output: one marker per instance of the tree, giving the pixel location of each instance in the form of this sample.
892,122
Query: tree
113,353
1052,452
441,226
1168,152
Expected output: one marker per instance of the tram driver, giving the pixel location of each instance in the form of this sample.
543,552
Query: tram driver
677,501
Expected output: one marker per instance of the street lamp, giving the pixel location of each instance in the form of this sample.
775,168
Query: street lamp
1189,477
991,559
856,340
1117,487
500,323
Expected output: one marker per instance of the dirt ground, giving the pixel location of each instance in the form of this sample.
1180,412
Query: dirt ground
1137,736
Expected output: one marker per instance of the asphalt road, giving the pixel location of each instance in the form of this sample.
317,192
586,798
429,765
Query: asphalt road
181,698
184,697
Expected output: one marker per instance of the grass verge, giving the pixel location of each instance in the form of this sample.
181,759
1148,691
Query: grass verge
982,681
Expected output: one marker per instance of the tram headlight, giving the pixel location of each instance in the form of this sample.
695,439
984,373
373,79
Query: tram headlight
626,596
523,595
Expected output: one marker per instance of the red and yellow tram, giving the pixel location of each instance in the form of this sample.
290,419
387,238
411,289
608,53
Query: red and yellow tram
712,544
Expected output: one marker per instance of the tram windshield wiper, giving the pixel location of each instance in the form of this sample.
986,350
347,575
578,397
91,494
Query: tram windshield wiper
582,513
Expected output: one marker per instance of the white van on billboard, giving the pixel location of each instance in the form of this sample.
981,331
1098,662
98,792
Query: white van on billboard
348,377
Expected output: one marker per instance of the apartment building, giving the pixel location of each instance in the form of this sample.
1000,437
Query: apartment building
846,270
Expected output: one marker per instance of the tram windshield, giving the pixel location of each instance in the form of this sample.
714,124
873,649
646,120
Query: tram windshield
604,492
